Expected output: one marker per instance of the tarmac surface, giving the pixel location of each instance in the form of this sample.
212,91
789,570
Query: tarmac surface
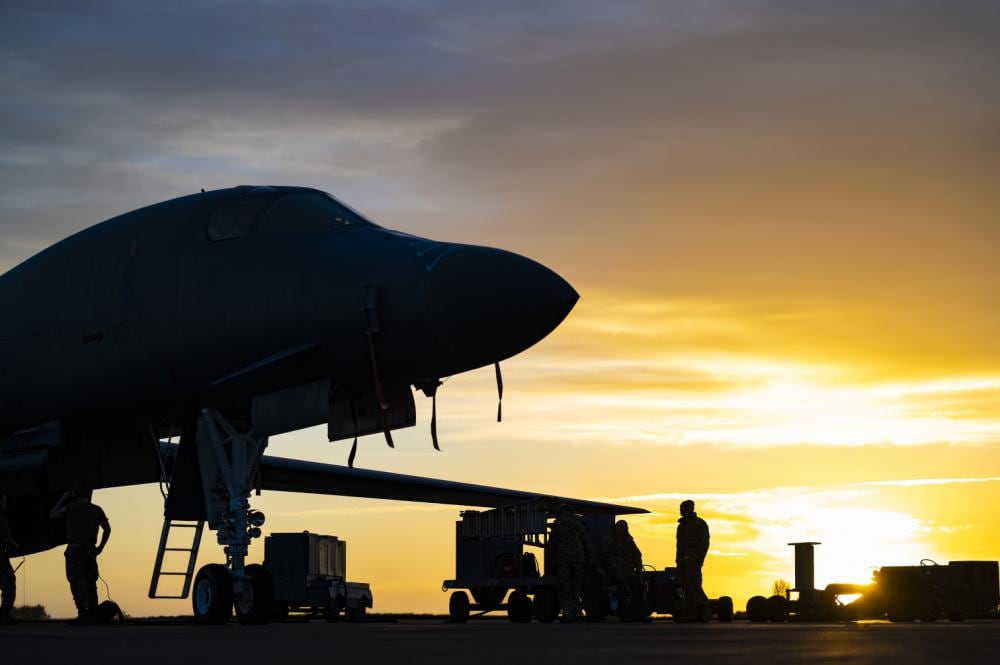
487,642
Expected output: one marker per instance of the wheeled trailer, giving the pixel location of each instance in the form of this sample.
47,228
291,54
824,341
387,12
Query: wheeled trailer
492,569
309,575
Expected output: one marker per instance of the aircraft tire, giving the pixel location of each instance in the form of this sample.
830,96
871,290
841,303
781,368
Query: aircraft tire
257,605
212,599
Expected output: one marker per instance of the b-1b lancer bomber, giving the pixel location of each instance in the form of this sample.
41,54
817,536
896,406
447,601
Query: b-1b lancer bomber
227,317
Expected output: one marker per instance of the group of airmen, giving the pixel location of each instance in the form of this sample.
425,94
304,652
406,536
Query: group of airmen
620,563
83,520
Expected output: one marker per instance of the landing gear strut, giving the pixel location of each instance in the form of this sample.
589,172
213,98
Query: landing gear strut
229,461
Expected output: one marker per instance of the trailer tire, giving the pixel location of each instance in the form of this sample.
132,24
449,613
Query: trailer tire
900,610
757,609
212,599
724,609
545,606
256,606
519,607
458,607
777,609
930,610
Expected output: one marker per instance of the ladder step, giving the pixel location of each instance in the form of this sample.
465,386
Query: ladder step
192,557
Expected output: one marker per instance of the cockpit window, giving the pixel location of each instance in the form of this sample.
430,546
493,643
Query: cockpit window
268,211
235,219
306,212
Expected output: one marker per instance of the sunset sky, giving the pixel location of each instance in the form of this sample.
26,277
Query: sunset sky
782,218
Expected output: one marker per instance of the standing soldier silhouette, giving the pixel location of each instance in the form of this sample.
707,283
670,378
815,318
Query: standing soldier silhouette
8,582
570,546
82,521
692,546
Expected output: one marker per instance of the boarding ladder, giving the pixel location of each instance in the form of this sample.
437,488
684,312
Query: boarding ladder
192,552
198,526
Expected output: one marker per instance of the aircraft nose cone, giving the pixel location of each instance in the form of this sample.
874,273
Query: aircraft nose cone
486,304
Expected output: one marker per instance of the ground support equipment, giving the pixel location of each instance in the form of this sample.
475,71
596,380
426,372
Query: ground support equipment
309,573
495,573
928,592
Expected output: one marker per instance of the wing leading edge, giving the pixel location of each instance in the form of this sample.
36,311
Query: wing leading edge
289,475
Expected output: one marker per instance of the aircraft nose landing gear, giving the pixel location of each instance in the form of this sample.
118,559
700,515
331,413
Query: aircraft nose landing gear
228,461
310,569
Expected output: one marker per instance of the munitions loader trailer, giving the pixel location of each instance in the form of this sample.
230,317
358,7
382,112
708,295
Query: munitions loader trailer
492,566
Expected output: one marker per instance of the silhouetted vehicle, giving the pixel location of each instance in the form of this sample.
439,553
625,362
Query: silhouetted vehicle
927,592
492,566
493,572
307,573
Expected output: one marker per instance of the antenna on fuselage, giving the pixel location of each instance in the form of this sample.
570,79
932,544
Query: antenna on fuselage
371,302
499,392
430,389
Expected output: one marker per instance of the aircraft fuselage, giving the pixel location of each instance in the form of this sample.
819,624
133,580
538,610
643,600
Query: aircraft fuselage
144,315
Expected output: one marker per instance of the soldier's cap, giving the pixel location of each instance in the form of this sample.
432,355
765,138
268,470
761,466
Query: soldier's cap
687,503
564,508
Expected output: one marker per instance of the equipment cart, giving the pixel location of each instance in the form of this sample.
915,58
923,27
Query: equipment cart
665,595
309,574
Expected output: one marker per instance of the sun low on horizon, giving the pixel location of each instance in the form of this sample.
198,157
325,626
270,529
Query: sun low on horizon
782,222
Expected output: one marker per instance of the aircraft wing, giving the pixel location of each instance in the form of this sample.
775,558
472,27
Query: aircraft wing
289,475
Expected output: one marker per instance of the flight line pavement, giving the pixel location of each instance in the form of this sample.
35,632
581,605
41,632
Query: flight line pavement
409,642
